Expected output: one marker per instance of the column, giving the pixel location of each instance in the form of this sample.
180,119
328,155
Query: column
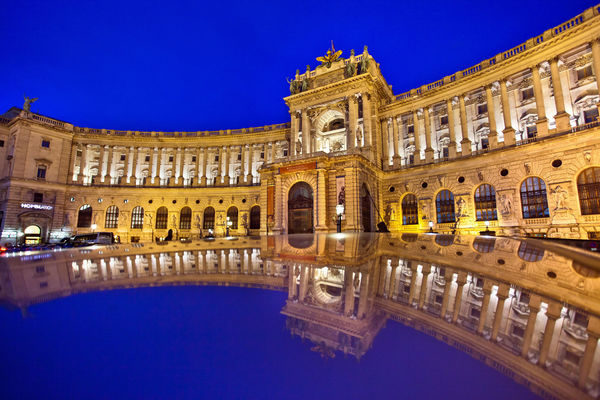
448,275
293,136
542,121
593,332
413,282
73,161
126,174
485,304
385,140
278,227
227,150
109,164
305,132
561,117
426,271
493,135
552,314
101,164
352,200
451,130
428,149
396,153
198,165
461,282
352,116
465,142
534,308
509,132
134,163
400,141
150,177
349,292
179,159
596,63
244,152
250,161
364,296
392,284
273,151
83,165
219,177
502,295
303,283
205,155
417,135
173,180
321,199
155,163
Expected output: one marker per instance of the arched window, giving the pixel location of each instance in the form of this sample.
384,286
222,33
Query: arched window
485,203
232,216
410,210
588,186
209,218
483,244
185,218
444,203
255,217
528,252
162,215
112,217
84,217
533,198
137,218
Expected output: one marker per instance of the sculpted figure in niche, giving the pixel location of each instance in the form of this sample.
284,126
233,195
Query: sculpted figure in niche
359,137
299,146
560,197
461,207
506,203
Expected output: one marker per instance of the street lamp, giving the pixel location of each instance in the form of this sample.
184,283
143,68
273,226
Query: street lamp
430,226
94,226
339,209
229,223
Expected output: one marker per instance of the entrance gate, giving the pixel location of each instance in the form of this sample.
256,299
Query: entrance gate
300,208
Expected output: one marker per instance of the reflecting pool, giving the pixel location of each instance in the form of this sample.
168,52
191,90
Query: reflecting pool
303,316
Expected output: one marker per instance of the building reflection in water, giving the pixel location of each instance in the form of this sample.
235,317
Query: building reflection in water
526,309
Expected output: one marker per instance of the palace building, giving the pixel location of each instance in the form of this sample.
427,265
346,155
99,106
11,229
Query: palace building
511,145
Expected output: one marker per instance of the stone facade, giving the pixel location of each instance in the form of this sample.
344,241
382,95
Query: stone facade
520,126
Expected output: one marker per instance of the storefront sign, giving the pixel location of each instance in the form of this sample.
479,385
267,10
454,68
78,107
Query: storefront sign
36,206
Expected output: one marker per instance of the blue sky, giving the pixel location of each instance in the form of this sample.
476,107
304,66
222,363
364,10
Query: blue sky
190,65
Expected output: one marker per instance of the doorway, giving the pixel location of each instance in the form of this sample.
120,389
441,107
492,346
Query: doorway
33,234
300,208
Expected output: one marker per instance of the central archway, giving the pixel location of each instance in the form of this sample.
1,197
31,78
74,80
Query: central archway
300,208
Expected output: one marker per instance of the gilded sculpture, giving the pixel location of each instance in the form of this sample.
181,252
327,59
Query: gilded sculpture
330,57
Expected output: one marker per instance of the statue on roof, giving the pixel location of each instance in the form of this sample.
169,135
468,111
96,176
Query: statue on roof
293,85
27,103
330,57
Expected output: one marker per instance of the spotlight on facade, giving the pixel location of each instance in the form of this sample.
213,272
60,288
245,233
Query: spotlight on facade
94,226
339,209
430,226
228,225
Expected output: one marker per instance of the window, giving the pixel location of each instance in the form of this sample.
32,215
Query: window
40,269
46,144
79,153
299,124
482,109
255,217
485,203
41,172
209,218
444,120
588,187
528,252
531,131
483,244
216,157
147,158
162,214
84,217
262,155
485,143
410,129
285,152
239,157
137,218
1,143
232,216
170,158
123,156
590,115
527,94
534,203
38,197
193,158
444,203
410,210
111,218
185,218
584,72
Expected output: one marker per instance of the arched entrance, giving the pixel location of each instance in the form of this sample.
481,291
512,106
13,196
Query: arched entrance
33,234
366,211
300,208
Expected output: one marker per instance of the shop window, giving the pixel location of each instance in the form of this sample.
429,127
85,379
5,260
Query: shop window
445,207
410,210
185,218
38,197
112,217
162,215
485,203
534,202
137,218
588,188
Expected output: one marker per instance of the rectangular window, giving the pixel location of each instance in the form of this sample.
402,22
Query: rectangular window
444,120
1,143
285,153
38,197
485,143
41,172
147,158
518,331
531,131
217,158
584,72
40,269
482,109
527,94
590,115
170,158
79,153
43,285
239,157
475,312
411,129
122,157
193,158
262,155
46,144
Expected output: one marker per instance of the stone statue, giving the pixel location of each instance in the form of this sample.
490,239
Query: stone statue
359,137
304,86
350,70
174,221
293,86
461,207
560,198
28,102
298,146
506,203
364,63
388,214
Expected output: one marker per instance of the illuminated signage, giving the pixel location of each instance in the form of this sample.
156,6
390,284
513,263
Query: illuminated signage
36,206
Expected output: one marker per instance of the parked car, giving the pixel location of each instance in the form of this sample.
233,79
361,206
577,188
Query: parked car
88,239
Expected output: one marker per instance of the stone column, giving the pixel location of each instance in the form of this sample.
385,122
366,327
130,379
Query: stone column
417,136
364,295
400,142
278,226
395,151
424,282
534,308
542,121
596,63
273,151
101,164
485,304
198,165
451,130
509,132
352,116
352,200
179,160
133,165
561,117
244,152
205,155
293,136
448,275
428,149
227,150
321,201
493,135
109,164
348,292
502,295
173,180
73,162
219,177
83,165
249,176
385,140
392,283
461,282
305,132
552,314
593,331
465,142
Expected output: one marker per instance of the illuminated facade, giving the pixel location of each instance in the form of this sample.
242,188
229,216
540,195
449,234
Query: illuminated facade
510,143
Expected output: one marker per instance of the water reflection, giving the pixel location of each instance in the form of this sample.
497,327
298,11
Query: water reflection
528,310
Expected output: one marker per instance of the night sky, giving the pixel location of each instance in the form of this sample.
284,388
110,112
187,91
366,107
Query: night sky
217,343
193,65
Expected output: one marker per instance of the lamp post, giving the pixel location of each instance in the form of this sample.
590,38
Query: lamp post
227,228
339,209
430,226
94,226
